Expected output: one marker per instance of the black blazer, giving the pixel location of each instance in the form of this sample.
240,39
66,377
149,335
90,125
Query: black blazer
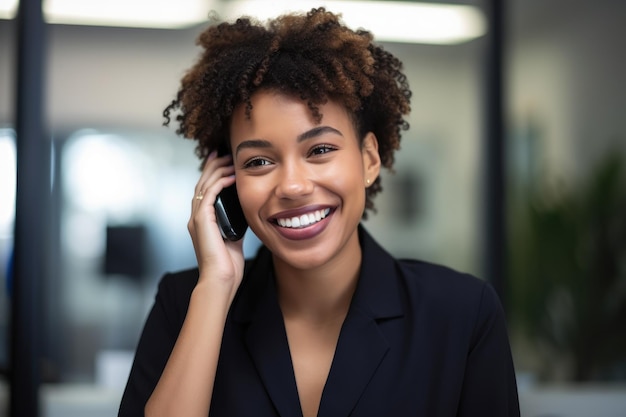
418,340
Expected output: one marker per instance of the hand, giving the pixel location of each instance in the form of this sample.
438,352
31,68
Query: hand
219,261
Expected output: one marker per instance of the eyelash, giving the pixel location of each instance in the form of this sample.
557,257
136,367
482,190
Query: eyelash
325,147
317,150
256,162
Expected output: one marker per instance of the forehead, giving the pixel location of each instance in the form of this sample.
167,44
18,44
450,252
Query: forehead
275,110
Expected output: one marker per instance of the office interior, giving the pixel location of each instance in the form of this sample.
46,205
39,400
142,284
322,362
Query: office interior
121,185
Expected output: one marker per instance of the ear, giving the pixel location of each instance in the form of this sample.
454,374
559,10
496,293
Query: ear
371,159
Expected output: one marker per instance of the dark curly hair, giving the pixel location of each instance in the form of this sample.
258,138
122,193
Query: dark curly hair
314,57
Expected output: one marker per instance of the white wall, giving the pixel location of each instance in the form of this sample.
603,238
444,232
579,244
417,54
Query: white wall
103,76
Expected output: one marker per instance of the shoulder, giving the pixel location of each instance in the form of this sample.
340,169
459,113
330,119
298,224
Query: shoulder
434,289
447,292
179,283
175,288
173,294
438,279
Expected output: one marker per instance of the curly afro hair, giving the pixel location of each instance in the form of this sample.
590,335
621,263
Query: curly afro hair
313,56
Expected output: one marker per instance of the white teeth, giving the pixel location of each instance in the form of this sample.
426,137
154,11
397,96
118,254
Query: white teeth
304,220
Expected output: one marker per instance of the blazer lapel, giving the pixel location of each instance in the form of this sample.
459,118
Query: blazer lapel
362,346
266,338
359,352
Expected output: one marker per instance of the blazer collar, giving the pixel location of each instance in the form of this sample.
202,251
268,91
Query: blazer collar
361,346
378,290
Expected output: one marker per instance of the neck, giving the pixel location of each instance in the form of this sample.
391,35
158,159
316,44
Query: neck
317,295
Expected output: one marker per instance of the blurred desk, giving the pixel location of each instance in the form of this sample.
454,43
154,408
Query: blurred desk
68,400
585,400
79,401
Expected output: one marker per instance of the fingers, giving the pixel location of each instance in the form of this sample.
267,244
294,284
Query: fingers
214,168
217,173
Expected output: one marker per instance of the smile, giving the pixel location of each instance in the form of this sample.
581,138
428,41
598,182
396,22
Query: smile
305,220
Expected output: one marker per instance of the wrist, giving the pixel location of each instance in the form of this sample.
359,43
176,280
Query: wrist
213,294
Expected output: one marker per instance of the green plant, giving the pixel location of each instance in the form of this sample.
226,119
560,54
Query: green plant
568,270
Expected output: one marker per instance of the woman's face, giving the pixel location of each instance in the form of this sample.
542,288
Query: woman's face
302,184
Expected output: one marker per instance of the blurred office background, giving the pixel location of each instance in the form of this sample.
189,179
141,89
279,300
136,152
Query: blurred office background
121,185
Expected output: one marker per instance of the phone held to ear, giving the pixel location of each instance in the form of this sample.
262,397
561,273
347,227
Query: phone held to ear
230,218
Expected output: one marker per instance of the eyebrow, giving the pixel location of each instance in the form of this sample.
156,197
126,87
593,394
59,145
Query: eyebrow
317,131
309,134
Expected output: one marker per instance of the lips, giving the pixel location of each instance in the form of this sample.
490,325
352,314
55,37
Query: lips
304,220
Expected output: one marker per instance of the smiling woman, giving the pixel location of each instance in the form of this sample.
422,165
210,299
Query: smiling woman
323,322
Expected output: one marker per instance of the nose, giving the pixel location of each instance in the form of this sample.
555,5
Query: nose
294,181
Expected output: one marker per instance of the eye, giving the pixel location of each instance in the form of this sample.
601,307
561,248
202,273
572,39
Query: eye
321,150
256,162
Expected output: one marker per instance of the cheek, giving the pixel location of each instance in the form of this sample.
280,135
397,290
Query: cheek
252,194
347,182
347,175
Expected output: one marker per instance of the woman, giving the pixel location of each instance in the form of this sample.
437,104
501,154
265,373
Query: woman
323,322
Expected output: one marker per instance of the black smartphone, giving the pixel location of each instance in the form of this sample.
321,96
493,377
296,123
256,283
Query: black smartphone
230,218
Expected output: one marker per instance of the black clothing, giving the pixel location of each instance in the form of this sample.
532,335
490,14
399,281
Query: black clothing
419,340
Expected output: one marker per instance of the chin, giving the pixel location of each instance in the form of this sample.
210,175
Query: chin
303,259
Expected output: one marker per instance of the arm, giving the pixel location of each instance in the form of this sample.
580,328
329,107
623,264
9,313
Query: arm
186,384
489,386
